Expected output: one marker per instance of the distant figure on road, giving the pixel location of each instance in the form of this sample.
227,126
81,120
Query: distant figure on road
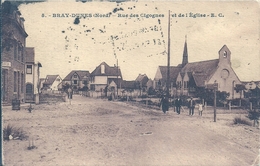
178,104
165,104
200,109
70,93
191,106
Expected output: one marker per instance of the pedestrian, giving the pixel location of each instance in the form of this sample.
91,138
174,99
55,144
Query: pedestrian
200,108
178,104
191,106
165,104
70,93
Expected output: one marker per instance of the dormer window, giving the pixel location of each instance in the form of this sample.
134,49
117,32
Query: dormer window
225,54
102,69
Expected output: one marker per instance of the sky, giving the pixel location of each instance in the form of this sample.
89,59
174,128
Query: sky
140,44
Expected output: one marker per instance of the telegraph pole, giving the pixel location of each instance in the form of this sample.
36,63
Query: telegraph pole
168,60
215,100
117,79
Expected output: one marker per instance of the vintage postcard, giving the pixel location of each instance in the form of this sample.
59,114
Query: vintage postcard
130,82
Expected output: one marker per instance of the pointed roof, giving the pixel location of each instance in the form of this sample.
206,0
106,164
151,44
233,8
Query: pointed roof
206,67
185,53
80,73
128,84
174,71
142,78
200,79
201,71
50,79
29,54
109,71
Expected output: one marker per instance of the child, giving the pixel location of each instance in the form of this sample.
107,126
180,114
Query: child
200,109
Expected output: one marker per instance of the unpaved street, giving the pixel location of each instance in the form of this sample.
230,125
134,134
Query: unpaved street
99,132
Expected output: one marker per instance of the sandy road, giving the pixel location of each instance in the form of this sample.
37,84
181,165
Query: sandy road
99,132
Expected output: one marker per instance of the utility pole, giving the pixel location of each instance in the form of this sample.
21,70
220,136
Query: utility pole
215,100
117,79
168,60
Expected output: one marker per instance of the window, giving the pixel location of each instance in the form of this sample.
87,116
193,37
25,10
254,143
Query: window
92,87
15,82
18,81
75,76
29,69
22,55
75,81
179,84
22,82
15,51
225,54
185,84
85,82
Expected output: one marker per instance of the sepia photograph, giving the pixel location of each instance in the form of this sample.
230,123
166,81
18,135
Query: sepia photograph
130,82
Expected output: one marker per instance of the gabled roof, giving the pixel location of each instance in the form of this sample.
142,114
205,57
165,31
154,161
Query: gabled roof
201,71
199,79
203,67
109,71
174,71
29,54
80,73
142,78
50,79
117,81
128,84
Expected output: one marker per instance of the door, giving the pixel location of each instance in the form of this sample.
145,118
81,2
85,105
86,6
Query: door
29,92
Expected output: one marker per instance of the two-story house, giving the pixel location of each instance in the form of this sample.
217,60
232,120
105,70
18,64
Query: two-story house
13,36
32,86
105,77
52,83
77,79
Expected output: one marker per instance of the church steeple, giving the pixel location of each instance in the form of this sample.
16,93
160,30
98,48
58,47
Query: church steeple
185,53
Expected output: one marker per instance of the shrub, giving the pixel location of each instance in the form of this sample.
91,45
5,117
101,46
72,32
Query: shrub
10,132
254,115
239,120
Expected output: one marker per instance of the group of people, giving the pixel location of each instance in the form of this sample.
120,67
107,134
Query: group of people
177,103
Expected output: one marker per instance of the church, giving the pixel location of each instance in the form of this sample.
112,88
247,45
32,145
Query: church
187,78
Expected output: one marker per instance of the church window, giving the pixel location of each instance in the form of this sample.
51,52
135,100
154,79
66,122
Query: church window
225,54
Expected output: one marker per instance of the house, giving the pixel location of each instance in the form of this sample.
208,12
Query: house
161,78
42,80
13,43
32,85
141,82
129,88
77,79
52,83
198,75
105,78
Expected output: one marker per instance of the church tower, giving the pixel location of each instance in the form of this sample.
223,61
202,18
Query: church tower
185,53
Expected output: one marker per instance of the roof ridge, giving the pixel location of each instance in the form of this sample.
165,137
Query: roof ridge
203,61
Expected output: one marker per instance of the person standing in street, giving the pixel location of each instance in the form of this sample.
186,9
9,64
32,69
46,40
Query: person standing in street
178,104
200,109
191,106
70,93
165,104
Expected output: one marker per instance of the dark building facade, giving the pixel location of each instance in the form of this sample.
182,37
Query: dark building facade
13,56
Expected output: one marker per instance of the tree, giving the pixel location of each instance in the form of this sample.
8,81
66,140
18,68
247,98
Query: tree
208,96
254,115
